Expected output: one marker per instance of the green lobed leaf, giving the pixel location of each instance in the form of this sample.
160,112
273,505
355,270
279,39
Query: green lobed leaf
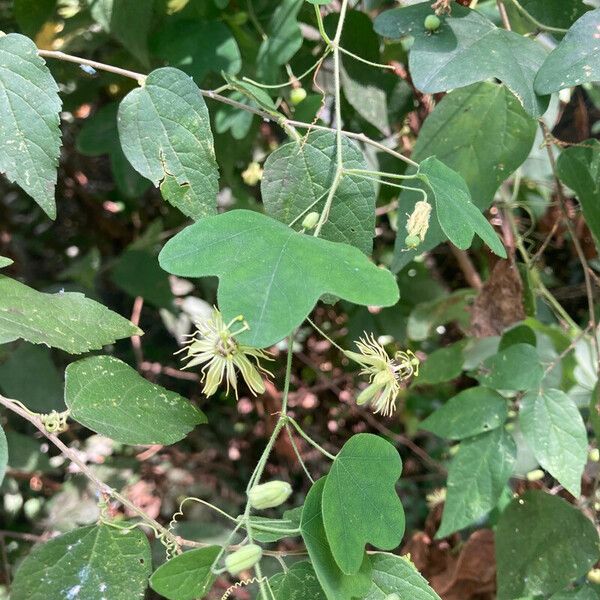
272,275
299,582
471,412
555,431
100,135
517,367
575,60
335,583
95,563
186,576
458,217
29,130
128,21
476,479
165,134
198,47
467,48
397,575
67,320
111,398
482,133
544,558
360,503
579,168
29,374
3,454
297,177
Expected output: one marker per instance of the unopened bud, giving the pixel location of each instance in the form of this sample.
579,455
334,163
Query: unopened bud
418,221
412,241
269,495
310,220
242,559
535,475
594,455
593,576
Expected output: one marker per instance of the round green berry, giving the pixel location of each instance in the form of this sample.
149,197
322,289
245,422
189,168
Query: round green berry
412,241
432,22
297,95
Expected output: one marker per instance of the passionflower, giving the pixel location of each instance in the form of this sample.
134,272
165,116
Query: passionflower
213,345
385,373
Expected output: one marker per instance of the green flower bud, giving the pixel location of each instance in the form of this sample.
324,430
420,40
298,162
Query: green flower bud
432,23
270,494
594,455
297,95
310,220
242,559
535,475
412,241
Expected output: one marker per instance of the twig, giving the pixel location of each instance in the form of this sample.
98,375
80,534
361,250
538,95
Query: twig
466,266
503,15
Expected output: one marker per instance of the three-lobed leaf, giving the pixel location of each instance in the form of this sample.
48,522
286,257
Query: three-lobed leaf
165,133
471,412
575,60
335,583
94,563
29,120
543,543
466,48
271,274
109,397
66,320
556,433
360,503
186,576
298,176
476,479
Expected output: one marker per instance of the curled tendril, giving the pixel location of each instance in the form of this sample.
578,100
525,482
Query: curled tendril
240,584
55,422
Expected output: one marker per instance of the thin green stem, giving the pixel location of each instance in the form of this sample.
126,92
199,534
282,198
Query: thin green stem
315,326
537,23
310,440
321,26
291,81
380,174
297,452
365,61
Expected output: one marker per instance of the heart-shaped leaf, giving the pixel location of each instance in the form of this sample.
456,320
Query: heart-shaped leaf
517,367
271,274
555,432
458,217
186,576
297,177
165,134
67,320
466,48
575,60
94,563
360,503
29,120
111,398
335,583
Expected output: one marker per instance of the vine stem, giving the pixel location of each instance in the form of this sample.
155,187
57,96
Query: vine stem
214,95
537,23
103,488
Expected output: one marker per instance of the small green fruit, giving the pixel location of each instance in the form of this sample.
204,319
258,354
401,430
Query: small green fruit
269,495
594,455
243,559
310,220
297,95
412,241
432,22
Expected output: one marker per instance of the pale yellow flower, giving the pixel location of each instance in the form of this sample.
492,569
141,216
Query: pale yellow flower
213,344
385,373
